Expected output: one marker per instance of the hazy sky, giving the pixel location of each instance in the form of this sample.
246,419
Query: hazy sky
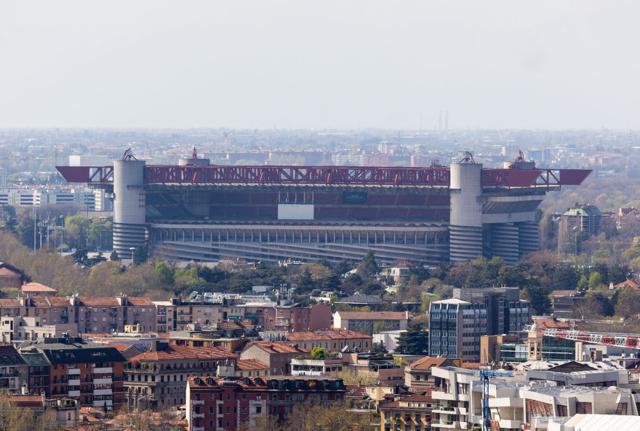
343,63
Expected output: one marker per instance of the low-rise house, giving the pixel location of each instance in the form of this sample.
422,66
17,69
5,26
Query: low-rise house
37,289
369,322
275,355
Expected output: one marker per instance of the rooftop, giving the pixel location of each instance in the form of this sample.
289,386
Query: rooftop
37,288
328,334
173,353
372,315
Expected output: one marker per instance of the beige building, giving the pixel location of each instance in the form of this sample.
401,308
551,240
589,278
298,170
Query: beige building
332,340
369,322
31,329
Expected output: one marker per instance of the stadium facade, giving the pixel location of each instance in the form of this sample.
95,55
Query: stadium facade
203,212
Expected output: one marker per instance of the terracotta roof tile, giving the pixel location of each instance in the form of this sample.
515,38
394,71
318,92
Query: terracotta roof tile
173,353
427,362
329,334
98,301
37,288
251,364
9,303
139,300
276,347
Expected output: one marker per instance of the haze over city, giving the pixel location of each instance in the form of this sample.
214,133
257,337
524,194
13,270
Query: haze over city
329,64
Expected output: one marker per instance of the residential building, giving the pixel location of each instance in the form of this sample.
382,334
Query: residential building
388,339
576,225
235,404
410,412
417,375
13,370
10,276
316,367
92,374
373,302
105,314
37,289
38,371
157,378
332,340
276,355
368,322
16,329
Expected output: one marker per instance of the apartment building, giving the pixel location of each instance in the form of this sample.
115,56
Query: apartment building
13,370
92,374
410,412
332,340
157,378
16,329
235,404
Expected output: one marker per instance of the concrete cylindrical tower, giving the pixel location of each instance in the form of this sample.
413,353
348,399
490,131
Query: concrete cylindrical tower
529,237
465,220
505,242
129,212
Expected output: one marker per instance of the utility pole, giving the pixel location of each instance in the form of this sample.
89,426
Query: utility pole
35,228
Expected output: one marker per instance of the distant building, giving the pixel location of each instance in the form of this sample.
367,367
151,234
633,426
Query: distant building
455,328
576,225
10,276
369,322
406,412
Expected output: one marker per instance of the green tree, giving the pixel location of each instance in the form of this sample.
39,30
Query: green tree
595,280
538,298
415,341
368,267
318,353
140,255
76,231
583,284
165,272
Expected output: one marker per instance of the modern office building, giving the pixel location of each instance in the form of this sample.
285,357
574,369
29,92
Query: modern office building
457,325
198,211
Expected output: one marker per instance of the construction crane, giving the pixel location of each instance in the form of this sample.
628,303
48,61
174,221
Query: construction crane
627,341
485,375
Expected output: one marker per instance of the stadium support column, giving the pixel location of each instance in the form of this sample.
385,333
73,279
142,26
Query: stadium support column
505,242
465,221
529,237
129,213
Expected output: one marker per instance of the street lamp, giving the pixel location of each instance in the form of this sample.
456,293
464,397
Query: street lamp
132,249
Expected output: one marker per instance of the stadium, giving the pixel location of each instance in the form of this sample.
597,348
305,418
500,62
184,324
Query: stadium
196,211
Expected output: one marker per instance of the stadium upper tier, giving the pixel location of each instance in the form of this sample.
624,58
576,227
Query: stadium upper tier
374,176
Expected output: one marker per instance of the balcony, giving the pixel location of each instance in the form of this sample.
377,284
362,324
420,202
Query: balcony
197,402
197,415
103,370
74,393
101,381
74,382
73,371
97,392
509,423
446,425
446,410
446,396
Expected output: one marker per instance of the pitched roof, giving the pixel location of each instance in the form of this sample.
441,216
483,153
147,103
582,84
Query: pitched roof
173,352
328,334
276,347
373,315
74,352
98,301
360,298
251,364
426,363
9,303
37,288
139,300
9,356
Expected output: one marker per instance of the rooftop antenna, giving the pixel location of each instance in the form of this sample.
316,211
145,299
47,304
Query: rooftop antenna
194,154
467,157
128,155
